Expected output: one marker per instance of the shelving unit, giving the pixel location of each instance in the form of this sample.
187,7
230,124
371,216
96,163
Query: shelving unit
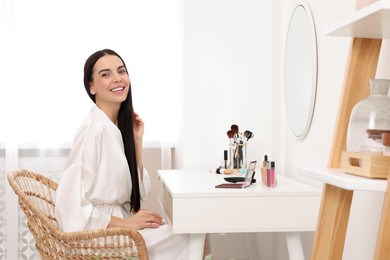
370,22
368,27
338,178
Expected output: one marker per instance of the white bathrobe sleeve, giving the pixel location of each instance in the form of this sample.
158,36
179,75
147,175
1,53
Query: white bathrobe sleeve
144,185
74,208
96,182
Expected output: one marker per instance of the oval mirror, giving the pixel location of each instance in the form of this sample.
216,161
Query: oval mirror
300,71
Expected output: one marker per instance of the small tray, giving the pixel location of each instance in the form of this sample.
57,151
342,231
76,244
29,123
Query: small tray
368,165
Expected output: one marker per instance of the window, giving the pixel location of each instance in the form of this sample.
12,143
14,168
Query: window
42,97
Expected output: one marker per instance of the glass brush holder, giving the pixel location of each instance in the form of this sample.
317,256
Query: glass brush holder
370,113
238,155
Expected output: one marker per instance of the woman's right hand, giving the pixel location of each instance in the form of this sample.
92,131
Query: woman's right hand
140,220
144,219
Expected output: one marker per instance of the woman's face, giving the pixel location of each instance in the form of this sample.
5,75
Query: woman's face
110,81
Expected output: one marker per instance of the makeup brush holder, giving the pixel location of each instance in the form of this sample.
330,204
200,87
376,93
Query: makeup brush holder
238,155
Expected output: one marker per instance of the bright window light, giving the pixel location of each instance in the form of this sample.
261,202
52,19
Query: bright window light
46,42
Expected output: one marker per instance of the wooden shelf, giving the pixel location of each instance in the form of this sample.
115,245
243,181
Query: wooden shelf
367,26
338,178
372,21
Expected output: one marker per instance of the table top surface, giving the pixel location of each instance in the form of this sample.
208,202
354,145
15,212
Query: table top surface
201,183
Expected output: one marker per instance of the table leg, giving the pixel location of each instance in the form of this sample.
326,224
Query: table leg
196,247
251,239
294,246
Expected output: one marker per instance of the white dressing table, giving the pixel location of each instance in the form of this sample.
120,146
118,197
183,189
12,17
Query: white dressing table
194,206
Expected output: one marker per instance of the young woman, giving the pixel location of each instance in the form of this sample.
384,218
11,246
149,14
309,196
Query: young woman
104,179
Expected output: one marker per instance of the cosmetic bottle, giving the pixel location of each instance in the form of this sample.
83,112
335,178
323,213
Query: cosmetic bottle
271,175
274,176
225,158
264,170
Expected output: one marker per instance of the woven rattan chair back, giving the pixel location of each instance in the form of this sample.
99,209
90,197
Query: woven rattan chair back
36,194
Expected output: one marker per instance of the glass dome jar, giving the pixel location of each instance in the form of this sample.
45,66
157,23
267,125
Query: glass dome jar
372,112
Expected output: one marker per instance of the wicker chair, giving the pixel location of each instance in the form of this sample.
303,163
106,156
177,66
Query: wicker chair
36,195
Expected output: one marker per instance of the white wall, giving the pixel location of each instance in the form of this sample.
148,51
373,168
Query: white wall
227,73
313,152
234,47
332,55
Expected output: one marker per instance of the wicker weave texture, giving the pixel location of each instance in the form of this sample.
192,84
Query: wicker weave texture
36,194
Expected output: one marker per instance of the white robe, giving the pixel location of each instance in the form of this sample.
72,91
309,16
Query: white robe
96,185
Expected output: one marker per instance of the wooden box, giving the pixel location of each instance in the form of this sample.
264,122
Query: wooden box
366,164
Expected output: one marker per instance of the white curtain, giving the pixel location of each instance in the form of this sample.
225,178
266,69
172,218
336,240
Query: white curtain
43,47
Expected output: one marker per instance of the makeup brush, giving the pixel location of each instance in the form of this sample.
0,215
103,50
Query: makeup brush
230,134
248,134
234,128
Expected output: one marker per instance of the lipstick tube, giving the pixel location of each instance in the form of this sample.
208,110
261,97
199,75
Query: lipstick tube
271,175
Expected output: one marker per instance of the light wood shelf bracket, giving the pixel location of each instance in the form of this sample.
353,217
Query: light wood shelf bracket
336,202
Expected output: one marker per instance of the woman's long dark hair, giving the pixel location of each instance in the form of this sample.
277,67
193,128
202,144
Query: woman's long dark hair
125,124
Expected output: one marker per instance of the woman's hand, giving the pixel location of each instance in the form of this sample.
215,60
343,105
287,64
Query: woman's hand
140,220
144,219
138,127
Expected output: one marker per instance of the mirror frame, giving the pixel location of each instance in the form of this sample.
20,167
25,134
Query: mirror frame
313,88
